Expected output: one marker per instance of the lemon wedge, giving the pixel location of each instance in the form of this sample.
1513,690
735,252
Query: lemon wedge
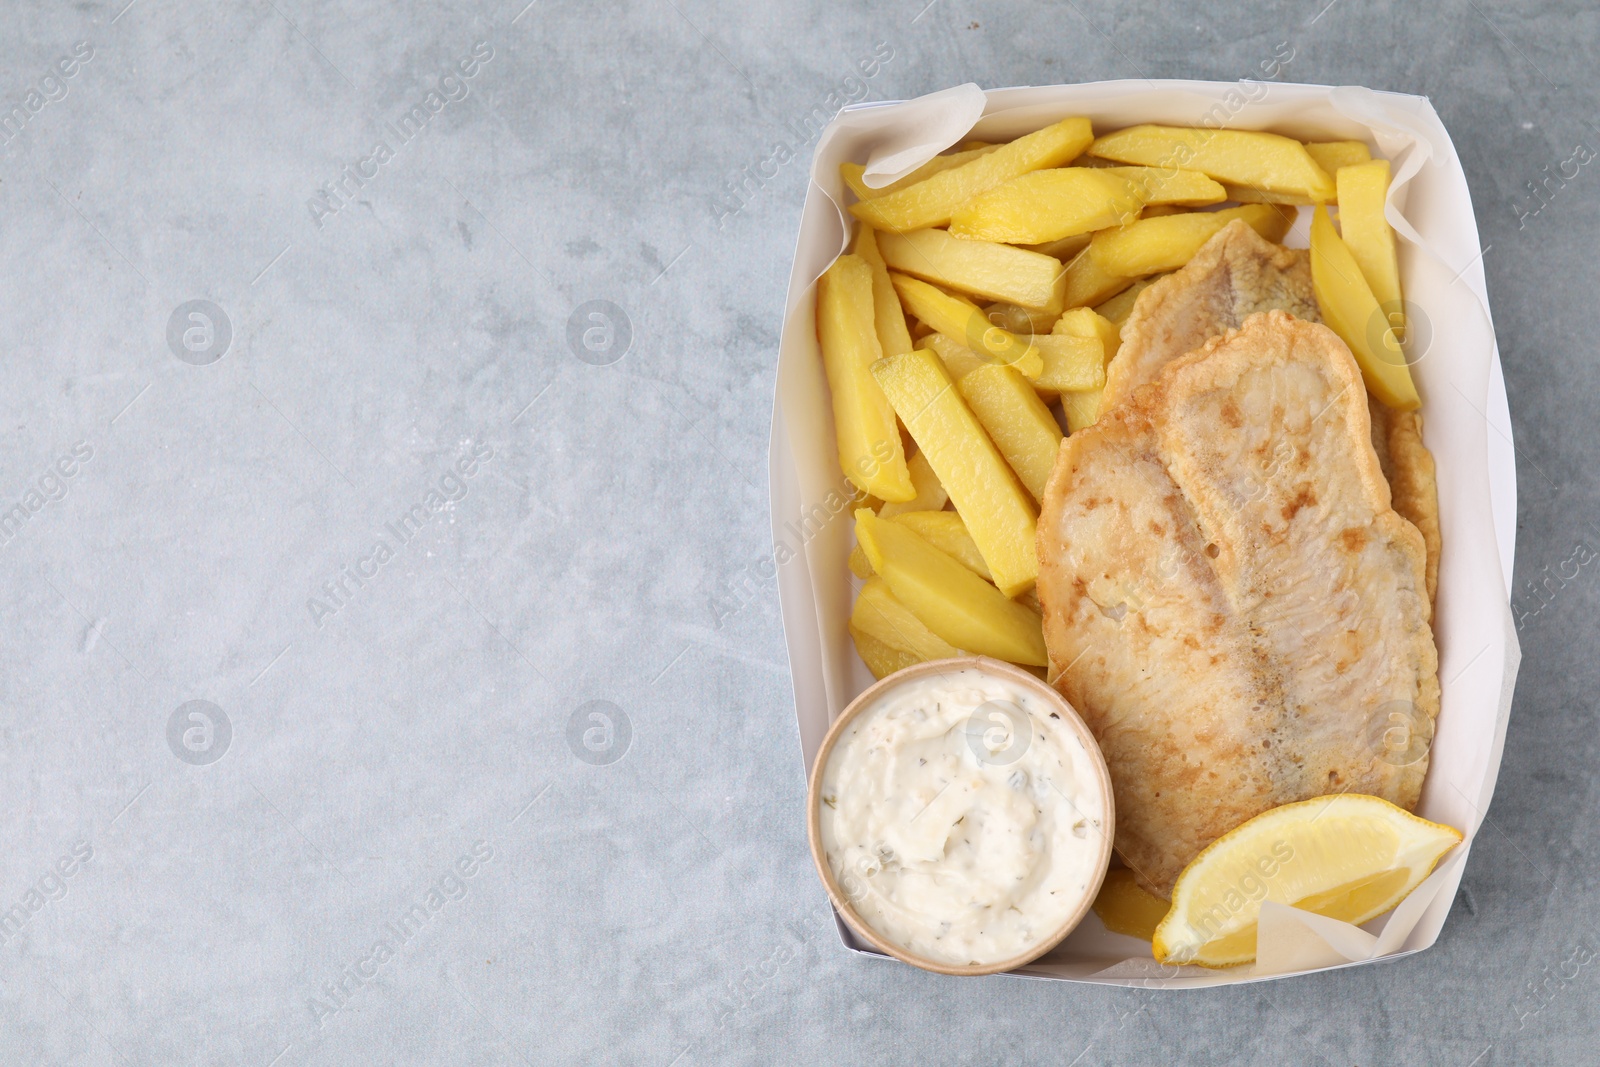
1347,857
1126,907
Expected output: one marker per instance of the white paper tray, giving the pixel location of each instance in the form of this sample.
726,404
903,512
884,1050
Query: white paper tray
1466,425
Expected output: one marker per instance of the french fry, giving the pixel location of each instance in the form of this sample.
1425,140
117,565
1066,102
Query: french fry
852,173
1151,246
1017,421
1087,322
1081,408
881,659
1331,155
954,603
1070,363
956,317
1125,907
888,315
957,358
1352,312
1263,161
947,531
879,613
933,200
1088,285
1064,248
1118,307
1165,185
1362,190
1026,322
1244,194
998,512
864,422
1092,339
1046,205
930,494
983,268
943,530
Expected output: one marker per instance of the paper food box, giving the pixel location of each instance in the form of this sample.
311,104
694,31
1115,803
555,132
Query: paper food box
1466,426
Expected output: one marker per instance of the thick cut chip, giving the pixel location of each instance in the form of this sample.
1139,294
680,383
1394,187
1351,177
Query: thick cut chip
1362,191
1048,205
864,423
1264,161
943,530
852,173
932,201
1065,248
1076,353
1244,194
890,317
946,531
963,320
1151,246
1087,322
1081,408
954,603
983,268
1164,185
1088,284
1125,908
1026,321
958,359
1229,524
1071,364
880,613
881,659
1017,420
930,494
1117,308
998,510
1331,155
1350,308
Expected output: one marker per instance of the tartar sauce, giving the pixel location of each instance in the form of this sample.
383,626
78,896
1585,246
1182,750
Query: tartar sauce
962,818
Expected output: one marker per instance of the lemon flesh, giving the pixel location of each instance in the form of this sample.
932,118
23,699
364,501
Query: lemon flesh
1348,857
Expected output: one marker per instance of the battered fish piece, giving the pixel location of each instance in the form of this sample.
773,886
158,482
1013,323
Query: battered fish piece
1408,467
1237,274
1229,599
1234,275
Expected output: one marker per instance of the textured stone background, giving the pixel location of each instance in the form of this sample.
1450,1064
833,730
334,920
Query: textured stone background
659,908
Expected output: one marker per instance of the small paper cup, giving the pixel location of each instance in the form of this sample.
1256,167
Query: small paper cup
1100,783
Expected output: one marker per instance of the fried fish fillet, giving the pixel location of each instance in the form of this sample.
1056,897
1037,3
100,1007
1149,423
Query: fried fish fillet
1229,599
1237,274
1234,275
1408,467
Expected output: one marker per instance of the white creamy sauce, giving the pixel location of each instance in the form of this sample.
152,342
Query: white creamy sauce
953,857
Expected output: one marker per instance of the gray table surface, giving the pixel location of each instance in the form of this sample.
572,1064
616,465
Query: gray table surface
197,520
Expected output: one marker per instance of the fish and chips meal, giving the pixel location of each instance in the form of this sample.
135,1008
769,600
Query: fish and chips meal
1104,426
